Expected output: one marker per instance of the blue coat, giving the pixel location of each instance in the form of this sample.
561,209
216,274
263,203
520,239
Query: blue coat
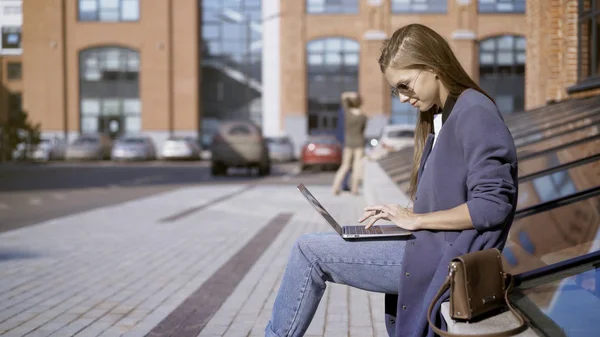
475,162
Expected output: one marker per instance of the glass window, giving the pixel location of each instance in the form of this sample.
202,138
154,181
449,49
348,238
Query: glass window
15,9
572,135
419,6
331,6
109,10
502,71
556,235
231,62
502,6
565,302
570,153
109,90
332,69
555,185
13,71
589,37
14,103
11,37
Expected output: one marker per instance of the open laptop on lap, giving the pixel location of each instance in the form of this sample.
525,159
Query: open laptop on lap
353,232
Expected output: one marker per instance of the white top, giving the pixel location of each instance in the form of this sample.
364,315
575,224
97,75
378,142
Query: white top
437,126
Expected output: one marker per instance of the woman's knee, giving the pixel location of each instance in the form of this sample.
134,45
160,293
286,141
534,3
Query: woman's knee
310,244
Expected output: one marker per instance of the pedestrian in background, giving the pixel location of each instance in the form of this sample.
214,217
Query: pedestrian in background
354,141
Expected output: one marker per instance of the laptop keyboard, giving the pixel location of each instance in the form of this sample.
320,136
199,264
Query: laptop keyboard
362,230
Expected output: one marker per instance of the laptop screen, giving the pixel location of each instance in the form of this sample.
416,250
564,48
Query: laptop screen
317,205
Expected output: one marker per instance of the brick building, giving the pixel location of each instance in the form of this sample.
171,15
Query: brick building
11,84
166,66
112,66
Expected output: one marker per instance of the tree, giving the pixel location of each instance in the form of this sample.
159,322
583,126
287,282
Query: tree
19,132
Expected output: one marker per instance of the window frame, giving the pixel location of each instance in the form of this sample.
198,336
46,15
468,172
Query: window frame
513,2
5,31
97,12
585,82
412,11
326,12
10,73
322,119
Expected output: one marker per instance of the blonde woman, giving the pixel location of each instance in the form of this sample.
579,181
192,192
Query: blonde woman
354,141
464,188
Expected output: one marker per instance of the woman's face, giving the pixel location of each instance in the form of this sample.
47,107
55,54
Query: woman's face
419,87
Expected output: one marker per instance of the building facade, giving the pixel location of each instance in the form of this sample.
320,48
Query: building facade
114,67
167,67
11,66
330,46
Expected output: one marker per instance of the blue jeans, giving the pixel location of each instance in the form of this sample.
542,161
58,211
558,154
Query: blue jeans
317,258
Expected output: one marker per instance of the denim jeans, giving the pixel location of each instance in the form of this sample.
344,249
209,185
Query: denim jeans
317,258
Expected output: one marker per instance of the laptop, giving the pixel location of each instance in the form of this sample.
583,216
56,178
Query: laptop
353,232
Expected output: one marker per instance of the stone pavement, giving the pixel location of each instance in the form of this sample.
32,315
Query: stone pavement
124,269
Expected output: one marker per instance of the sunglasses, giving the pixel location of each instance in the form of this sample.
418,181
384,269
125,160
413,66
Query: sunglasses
405,89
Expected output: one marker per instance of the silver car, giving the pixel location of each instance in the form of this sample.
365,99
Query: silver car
134,147
181,148
50,149
90,147
281,149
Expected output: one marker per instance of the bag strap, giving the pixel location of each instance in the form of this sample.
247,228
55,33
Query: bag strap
508,333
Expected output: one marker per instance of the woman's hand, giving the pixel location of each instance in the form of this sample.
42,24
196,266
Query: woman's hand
401,216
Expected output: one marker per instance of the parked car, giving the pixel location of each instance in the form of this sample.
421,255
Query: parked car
239,144
90,147
281,148
178,147
50,148
393,138
323,151
134,147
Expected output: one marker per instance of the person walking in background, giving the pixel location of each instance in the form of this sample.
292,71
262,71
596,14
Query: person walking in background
354,141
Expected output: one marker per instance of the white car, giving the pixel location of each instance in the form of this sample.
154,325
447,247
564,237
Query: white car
393,138
181,148
133,147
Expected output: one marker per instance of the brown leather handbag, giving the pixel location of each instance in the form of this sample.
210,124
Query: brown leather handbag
478,286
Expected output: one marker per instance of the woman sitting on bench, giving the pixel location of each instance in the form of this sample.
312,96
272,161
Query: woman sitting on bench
463,184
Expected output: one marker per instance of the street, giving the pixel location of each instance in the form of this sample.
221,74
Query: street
32,193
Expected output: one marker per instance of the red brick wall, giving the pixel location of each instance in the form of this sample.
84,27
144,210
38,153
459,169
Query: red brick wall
552,49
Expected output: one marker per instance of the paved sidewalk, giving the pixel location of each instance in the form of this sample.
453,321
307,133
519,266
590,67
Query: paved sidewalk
122,270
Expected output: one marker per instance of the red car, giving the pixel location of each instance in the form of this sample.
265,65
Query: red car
321,152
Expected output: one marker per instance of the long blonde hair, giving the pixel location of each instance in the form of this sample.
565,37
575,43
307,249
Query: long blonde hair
416,46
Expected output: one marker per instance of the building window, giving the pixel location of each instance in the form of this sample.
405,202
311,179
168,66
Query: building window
14,104
11,37
502,71
403,113
13,71
589,39
109,91
332,69
12,9
332,6
231,61
109,10
419,6
501,6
